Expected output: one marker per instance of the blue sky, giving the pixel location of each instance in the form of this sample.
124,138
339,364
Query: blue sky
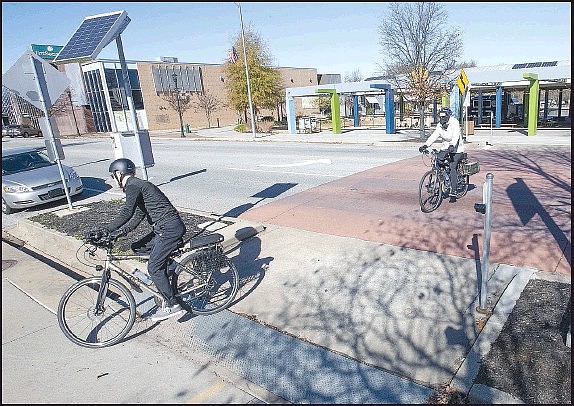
332,37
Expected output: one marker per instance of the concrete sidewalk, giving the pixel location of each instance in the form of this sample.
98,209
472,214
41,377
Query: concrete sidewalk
354,335
366,135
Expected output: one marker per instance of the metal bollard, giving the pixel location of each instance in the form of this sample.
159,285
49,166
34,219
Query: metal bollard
486,209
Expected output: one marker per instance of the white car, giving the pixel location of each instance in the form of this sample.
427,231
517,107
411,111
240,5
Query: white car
30,178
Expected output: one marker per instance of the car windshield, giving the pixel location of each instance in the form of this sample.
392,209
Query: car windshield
24,162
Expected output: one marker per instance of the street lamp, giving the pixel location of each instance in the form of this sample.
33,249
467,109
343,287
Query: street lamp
174,77
73,113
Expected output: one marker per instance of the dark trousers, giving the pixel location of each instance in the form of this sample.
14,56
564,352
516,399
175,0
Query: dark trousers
159,244
453,160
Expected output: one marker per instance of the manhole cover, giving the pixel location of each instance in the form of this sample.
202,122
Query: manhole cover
7,263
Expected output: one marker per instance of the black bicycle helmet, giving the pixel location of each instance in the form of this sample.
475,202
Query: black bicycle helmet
124,166
443,115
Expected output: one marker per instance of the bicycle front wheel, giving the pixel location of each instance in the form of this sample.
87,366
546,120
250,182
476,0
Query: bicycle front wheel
206,281
430,193
90,324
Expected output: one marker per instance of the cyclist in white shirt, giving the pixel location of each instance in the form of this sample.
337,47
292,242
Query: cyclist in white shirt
448,129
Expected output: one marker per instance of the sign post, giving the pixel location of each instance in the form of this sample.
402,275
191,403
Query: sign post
38,82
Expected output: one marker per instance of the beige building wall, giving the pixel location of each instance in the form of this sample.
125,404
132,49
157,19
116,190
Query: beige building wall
160,116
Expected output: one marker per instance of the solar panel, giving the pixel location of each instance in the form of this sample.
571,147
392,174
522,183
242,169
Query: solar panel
92,36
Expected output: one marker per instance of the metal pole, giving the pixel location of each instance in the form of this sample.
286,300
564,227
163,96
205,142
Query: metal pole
491,129
43,95
128,89
73,113
174,76
247,72
487,199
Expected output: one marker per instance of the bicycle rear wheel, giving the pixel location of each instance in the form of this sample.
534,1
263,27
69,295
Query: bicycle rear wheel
206,281
430,193
462,183
89,324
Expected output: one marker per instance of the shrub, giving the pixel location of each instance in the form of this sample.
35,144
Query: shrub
240,128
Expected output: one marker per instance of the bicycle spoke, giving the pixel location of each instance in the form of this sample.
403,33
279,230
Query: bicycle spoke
91,324
430,193
206,282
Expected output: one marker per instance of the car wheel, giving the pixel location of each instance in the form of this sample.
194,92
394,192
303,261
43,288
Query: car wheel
6,209
25,135
39,133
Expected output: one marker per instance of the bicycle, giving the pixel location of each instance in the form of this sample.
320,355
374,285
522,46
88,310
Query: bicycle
99,311
435,183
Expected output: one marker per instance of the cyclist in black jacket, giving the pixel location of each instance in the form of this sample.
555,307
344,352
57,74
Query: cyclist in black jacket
146,200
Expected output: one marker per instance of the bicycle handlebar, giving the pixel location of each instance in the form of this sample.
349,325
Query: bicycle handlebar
98,238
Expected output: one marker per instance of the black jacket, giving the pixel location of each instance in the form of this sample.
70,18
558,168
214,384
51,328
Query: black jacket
143,200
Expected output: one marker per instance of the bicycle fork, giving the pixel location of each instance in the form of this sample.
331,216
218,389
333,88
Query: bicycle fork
103,291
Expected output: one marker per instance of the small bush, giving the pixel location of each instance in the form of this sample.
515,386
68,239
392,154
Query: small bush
240,128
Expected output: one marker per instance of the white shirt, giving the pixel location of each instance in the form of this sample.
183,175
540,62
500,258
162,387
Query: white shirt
450,136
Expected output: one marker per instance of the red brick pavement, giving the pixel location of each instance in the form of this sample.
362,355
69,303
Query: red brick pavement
531,209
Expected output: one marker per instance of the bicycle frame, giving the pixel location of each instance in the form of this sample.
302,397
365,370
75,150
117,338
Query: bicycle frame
100,310
136,283
433,185
443,168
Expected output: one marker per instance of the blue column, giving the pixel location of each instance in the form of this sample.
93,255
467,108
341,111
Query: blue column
389,111
389,106
480,107
434,111
290,106
498,106
356,122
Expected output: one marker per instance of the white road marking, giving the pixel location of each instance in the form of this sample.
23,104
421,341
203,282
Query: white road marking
302,163
289,172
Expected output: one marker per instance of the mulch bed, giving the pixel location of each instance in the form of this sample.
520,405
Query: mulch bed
530,359
101,213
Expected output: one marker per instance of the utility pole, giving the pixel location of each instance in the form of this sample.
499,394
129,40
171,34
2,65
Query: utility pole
247,72
174,77
73,113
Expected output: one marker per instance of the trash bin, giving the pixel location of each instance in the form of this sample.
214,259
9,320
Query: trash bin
187,129
468,125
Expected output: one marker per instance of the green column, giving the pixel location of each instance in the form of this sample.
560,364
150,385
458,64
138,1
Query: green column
335,109
533,102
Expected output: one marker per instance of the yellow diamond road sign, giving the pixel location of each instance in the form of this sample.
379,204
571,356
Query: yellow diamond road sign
462,81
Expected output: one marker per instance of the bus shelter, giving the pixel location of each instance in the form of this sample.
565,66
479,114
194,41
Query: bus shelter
354,89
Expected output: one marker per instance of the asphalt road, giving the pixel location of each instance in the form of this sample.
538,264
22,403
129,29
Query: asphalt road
223,177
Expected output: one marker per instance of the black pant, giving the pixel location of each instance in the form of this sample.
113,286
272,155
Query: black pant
159,244
453,160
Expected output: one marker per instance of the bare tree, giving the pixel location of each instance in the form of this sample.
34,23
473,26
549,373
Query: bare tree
172,100
354,76
419,51
61,106
208,103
